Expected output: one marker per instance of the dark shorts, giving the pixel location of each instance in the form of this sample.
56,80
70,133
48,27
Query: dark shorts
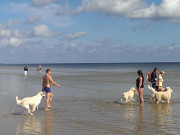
47,90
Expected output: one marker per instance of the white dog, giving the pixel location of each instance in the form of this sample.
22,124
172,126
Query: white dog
127,96
164,95
31,101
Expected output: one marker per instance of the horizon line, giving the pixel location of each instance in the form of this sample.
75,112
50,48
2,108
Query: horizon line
87,63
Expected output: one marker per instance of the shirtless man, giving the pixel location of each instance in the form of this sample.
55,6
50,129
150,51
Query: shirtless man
46,86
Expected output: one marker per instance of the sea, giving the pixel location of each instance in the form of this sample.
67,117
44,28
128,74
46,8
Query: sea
88,101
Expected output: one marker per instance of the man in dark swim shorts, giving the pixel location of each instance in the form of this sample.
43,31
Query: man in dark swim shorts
46,86
47,90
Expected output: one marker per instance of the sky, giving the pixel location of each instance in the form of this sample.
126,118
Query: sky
89,31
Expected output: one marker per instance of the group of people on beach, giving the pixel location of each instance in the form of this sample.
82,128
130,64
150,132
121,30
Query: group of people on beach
39,68
46,84
157,82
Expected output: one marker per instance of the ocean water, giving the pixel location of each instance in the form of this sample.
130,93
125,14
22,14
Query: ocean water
88,101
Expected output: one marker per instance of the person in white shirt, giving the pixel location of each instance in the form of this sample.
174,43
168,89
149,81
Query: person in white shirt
160,81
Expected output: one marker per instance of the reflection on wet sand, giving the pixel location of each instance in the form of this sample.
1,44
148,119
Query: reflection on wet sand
31,125
25,81
129,112
161,114
48,123
140,120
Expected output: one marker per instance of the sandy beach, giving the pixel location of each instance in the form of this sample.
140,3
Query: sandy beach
87,103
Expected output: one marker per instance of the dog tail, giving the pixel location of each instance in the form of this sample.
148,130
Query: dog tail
18,101
152,89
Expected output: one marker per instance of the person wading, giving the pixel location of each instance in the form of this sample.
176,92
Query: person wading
140,86
46,86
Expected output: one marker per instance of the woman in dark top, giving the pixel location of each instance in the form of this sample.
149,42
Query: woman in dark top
154,77
140,86
25,70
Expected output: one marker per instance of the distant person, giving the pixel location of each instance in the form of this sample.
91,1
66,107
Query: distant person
140,86
46,86
160,81
25,70
39,69
154,77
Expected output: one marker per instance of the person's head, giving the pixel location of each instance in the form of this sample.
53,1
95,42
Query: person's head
162,72
155,69
140,73
48,71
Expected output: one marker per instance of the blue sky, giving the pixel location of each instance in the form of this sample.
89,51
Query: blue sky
70,31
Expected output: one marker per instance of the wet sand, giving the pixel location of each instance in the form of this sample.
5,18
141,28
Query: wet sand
87,103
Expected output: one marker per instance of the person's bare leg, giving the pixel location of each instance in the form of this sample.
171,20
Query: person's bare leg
47,100
141,97
161,89
50,99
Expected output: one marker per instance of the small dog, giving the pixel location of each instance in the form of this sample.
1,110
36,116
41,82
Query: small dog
127,96
31,101
164,95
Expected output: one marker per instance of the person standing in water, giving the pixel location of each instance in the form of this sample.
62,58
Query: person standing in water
39,69
46,86
25,70
154,77
140,86
160,81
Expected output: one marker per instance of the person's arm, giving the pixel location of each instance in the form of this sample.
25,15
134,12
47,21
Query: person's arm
140,82
51,80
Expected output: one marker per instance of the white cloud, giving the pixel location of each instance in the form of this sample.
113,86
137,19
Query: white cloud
173,47
9,33
10,36
47,13
11,22
42,31
121,7
33,19
73,45
5,33
15,41
75,35
66,10
41,2
137,9
12,41
77,10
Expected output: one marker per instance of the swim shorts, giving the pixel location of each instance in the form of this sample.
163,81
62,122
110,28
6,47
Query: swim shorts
47,90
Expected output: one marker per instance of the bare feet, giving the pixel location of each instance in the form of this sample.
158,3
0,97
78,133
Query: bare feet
50,106
47,109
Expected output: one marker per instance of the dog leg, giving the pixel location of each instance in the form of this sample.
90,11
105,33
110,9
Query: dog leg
126,100
28,110
167,101
30,113
37,108
133,99
122,98
33,108
153,97
157,102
